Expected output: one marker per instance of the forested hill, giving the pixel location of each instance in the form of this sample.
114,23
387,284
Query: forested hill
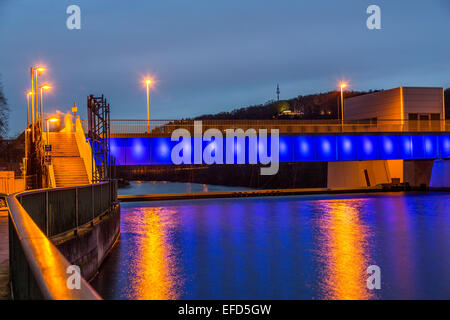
313,106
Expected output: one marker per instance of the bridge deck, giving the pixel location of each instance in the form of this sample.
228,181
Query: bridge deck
4,256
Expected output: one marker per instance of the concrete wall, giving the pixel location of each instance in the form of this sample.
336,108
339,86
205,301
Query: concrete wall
395,169
350,174
90,247
388,104
417,172
9,184
84,148
382,105
423,100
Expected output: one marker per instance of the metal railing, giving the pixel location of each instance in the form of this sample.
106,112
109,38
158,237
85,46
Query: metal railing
37,269
61,210
124,128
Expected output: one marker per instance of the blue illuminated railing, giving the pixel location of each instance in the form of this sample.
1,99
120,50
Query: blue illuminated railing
157,150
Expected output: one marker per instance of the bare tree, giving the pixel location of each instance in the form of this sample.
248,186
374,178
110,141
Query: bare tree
4,113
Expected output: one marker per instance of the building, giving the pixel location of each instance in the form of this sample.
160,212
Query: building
403,103
419,105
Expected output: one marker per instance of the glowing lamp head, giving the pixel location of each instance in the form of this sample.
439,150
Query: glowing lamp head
343,85
39,70
29,93
45,87
53,119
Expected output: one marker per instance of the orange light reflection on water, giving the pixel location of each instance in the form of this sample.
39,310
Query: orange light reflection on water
344,251
156,269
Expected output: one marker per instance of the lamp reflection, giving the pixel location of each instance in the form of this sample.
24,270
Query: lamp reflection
343,251
156,266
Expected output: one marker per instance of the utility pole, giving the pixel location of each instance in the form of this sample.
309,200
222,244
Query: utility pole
278,92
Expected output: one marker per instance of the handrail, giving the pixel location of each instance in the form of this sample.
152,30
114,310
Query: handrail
60,210
165,127
84,148
46,264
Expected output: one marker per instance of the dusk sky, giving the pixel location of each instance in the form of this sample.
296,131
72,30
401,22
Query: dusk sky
210,56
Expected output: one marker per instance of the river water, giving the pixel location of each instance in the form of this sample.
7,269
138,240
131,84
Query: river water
296,247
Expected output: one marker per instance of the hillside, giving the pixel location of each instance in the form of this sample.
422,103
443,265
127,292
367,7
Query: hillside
309,107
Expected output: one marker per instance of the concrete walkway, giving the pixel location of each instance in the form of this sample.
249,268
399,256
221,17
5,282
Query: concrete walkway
4,256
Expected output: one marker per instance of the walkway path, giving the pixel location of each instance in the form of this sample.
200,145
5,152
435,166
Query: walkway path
4,255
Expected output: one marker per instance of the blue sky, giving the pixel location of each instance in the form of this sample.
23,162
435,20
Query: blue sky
212,56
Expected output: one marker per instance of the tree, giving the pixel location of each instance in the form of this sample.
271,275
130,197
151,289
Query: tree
4,113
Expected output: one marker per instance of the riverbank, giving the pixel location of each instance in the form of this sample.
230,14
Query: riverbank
259,193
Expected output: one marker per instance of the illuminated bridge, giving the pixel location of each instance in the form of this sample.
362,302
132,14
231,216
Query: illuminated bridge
135,142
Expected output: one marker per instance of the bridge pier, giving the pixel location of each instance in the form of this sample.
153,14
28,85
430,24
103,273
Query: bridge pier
361,174
418,172
440,176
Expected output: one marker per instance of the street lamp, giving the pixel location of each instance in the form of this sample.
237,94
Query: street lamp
48,127
342,85
34,72
43,87
29,93
148,82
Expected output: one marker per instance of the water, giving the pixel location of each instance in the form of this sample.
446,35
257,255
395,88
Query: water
299,247
163,187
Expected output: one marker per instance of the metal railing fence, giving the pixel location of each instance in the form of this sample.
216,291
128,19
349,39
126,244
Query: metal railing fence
123,128
62,210
36,267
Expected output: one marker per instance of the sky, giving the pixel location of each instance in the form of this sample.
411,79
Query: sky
209,56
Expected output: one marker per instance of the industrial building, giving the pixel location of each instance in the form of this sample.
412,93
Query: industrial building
403,103
411,107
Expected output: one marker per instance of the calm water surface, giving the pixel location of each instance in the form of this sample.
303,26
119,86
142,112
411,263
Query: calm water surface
299,247
163,187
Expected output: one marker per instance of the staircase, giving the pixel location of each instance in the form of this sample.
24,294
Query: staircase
68,166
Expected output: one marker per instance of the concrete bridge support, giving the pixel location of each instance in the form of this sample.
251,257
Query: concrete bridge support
357,174
440,176
417,172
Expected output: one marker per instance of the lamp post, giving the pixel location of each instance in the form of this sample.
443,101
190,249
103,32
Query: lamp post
35,71
343,85
48,127
43,87
27,130
148,82
29,93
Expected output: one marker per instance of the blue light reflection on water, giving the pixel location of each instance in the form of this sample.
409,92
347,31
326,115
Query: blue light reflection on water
300,247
